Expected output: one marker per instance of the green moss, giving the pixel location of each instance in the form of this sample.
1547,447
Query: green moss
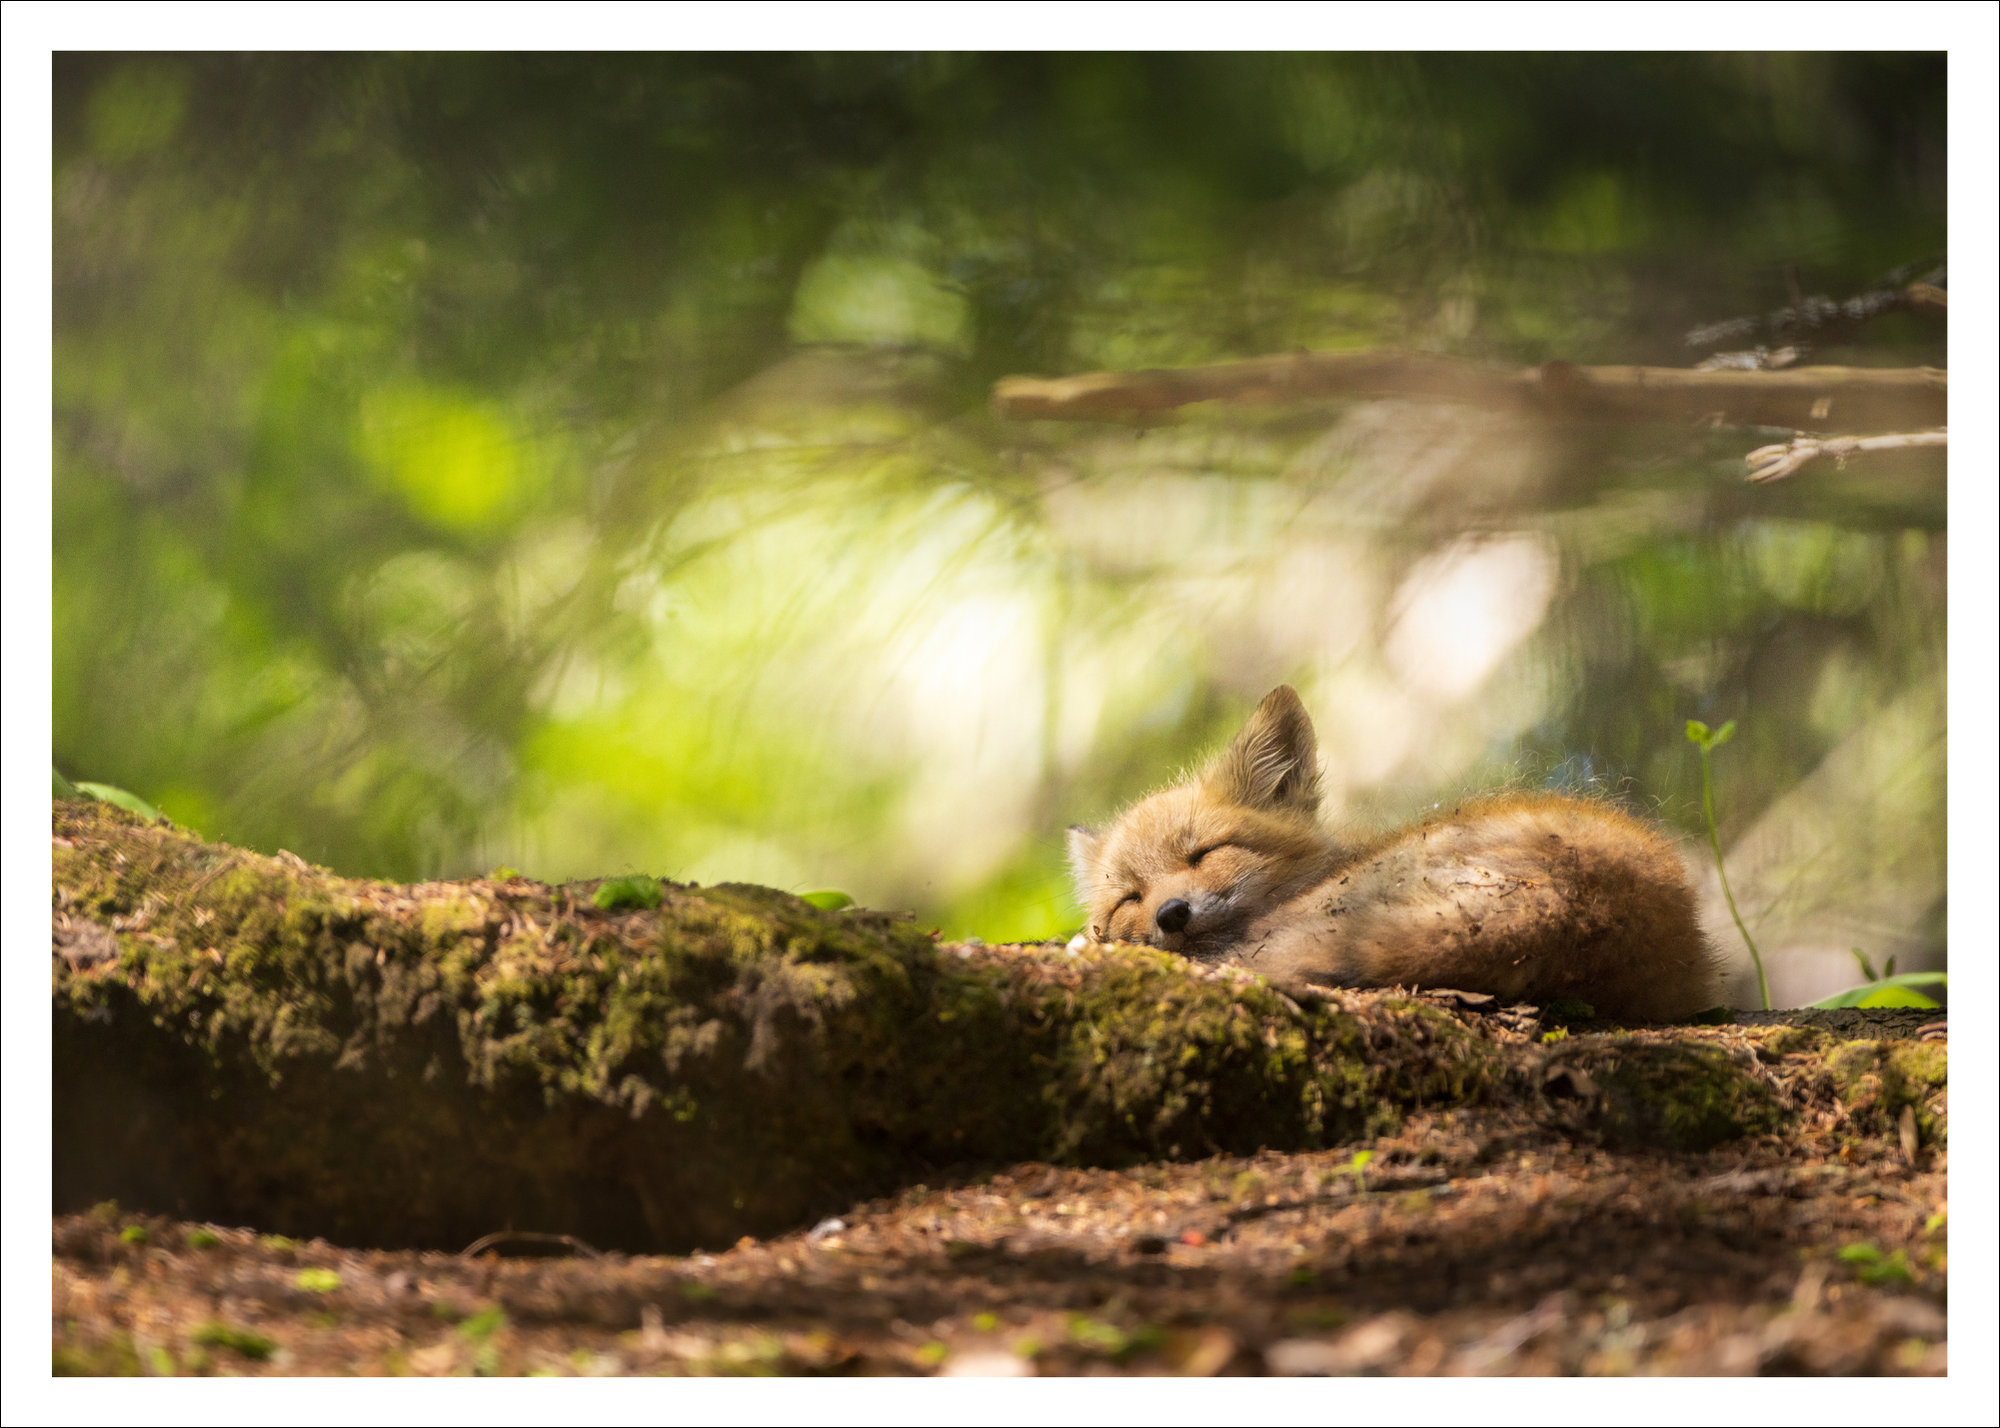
414,1065
115,1359
1791,1040
247,1342
1682,1096
624,894
1877,1079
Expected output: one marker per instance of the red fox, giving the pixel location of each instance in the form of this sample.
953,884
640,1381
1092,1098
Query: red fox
1527,896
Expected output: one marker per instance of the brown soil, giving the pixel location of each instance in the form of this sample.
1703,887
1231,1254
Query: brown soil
1480,1241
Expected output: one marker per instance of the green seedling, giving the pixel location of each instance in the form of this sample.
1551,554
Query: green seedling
1887,992
829,900
133,1234
1357,1167
1885,989
104,793
484,1325
479,1331
1707,740
203,1239
624,894
318,1281
1871,1266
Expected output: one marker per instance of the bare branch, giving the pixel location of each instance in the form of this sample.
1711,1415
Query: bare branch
1821,319
1798,397
1775,463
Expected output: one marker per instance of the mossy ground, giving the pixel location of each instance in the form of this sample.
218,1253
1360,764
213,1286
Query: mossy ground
248,1040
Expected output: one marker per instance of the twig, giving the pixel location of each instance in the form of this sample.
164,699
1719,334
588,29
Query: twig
533,1237
1796,397
1775,463
1821,318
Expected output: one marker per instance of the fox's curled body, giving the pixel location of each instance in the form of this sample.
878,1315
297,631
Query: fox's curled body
1526,896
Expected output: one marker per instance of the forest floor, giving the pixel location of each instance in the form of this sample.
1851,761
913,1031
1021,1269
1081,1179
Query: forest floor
1480,1241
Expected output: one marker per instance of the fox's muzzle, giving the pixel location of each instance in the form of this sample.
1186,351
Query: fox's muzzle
1174,916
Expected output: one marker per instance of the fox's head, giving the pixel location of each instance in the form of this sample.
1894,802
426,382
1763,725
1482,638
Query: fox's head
1189,868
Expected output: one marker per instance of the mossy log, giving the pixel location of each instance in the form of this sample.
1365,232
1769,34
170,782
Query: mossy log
252,1040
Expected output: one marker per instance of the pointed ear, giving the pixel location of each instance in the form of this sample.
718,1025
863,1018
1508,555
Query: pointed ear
1083,846
1274,763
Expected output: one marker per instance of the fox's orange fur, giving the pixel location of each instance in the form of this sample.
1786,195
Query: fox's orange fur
1528,896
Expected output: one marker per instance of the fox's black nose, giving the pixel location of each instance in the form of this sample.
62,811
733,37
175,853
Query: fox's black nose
1174,915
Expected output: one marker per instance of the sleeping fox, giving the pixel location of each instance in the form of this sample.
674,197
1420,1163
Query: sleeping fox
1527,896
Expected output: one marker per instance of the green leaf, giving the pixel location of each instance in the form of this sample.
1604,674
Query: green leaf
130,802
318,1281
1897,997
1867,966
1697,732
1858,996
829,900
63,787
1722,735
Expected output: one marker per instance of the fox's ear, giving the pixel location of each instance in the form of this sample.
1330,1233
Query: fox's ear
1083,845
1274,762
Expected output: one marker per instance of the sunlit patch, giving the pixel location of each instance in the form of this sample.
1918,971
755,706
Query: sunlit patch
1466,608
457,464
877,299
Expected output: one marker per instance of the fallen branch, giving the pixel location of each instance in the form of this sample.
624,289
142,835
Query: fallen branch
1775,463
1796,397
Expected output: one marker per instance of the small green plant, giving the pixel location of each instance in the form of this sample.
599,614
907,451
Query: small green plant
61,787
485,1324
1561,1033
318,1281
479,1331
624,894
1357,1167
1874,1267
203,1239
1707,741
1885,990
133,1234
830,900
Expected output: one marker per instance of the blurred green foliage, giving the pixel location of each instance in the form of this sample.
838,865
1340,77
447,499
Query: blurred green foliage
582,461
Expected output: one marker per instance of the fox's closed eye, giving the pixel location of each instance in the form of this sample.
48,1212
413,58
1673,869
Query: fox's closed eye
1194,858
